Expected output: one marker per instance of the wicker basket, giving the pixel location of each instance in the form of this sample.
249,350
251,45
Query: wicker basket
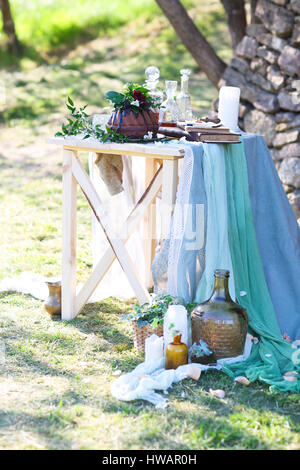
140,335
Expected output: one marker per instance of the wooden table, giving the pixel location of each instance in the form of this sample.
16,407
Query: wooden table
161,172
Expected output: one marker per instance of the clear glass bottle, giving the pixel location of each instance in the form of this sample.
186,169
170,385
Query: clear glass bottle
152,74
176,353
168,113
220,322
183,99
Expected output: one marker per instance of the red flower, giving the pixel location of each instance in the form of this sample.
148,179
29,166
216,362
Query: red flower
140,97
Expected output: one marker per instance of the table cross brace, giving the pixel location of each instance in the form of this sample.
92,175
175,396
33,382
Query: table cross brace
73,173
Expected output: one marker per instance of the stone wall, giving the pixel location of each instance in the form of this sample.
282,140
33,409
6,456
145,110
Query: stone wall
266,67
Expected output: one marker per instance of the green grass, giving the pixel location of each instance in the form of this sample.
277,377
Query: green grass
55,391
48,29
55,383
45,27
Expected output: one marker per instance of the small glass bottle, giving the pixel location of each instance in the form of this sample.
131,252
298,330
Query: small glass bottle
168,113
183,99
152,74
220,322
176,353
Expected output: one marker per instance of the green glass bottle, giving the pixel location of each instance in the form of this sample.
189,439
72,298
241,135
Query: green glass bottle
220,322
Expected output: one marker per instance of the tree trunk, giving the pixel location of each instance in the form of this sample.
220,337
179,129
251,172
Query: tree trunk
254,19
201,50
236,20
9,27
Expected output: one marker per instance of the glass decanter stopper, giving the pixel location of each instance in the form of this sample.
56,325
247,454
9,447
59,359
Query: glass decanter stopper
168,113
183,99
152,75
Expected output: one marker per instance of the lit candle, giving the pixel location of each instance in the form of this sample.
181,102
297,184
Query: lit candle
229,100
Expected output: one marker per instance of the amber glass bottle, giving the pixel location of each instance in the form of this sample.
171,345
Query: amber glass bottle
176,353
220,322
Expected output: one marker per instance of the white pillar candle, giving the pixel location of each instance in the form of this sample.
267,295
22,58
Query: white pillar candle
154,348
229,100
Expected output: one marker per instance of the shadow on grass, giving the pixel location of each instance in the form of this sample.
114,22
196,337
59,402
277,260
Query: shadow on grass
100,319
48,427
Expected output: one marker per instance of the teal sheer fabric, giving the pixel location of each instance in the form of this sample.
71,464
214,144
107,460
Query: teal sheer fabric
217,252
272,356
246,208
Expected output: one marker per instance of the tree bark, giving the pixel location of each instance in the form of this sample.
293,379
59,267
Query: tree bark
194,41
236,20
9,27
254,19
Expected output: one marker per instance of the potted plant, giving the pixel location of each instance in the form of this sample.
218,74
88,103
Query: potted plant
148,319
133,114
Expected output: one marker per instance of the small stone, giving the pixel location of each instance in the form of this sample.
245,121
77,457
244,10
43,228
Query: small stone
295,41
289,172
242,380
276,18
290,150
275,154
247,47
266,102
294,199
259,65
260,123
285,117
234,78
254,30
261,81
275,77
295,84
269,56
217,393
289,100
240,64
272,41
289,61
285,126
283,138
295,6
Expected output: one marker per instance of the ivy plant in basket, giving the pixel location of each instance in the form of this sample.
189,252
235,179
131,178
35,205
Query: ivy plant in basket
153,313
133,115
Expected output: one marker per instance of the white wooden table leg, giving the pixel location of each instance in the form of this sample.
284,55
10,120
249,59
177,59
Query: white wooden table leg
169,188
69,237
149,235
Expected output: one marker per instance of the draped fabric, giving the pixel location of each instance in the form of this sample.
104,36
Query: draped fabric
249,228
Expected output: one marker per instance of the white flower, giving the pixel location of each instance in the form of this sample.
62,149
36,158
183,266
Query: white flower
135,103
148,136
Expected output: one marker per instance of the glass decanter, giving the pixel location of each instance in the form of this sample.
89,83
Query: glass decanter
220,322
168,113
152,75
183,99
